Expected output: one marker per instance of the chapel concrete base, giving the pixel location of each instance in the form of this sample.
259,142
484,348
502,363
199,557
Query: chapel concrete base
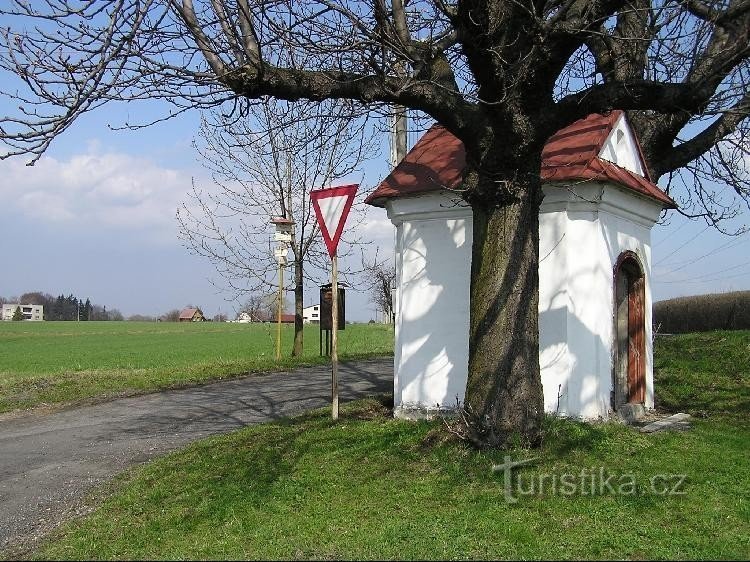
630,413
416,412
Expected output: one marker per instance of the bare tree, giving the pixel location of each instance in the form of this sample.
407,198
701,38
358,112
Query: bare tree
115,315
141,318
39,297
36,297
171,316
260,306
501,75
264,165
382,281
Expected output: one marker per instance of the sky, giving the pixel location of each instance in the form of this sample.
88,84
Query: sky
95,217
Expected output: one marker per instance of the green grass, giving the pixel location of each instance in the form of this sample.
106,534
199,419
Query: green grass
372,487
704,374
58,362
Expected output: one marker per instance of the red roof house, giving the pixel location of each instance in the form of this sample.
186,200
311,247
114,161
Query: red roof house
191,315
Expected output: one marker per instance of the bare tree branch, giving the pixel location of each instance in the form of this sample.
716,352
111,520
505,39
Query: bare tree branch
264,165
682,154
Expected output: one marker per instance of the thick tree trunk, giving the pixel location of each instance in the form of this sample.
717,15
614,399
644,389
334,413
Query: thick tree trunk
299,293
504,396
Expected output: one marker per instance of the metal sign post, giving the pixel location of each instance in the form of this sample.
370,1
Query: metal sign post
331,209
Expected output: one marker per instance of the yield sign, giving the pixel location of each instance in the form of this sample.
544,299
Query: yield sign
332,207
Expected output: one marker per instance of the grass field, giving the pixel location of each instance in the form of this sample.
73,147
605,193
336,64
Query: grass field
54,362
706,374
373,487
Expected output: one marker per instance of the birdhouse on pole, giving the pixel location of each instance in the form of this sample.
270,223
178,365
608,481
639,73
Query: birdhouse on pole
284,229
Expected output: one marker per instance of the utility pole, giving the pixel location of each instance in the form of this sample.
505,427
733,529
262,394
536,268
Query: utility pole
398,135
398,153
399,145
398,125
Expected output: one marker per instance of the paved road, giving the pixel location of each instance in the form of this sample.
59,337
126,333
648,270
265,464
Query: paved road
49,463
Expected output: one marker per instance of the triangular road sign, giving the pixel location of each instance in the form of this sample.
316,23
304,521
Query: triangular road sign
332,206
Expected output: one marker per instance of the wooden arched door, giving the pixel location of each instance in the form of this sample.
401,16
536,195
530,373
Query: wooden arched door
629,378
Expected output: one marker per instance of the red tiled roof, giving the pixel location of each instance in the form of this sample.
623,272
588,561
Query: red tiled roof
438,159
188,313
285,318
579,142
573,154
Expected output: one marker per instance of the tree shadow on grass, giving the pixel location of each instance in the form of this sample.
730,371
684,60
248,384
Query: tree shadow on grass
563,436
675,394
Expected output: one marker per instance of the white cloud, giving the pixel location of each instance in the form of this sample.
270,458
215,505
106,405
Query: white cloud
43,206
96,189
376,225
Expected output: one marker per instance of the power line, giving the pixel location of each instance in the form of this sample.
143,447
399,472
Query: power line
718,249
703,277
744,274
676,230
683,245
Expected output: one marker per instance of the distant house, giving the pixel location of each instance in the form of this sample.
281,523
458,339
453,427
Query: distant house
192,315
311,314
246,317
30,311
285,318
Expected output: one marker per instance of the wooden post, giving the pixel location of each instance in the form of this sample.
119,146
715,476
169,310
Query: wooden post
334,338
280,305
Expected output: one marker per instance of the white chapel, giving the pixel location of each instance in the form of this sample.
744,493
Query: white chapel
599,206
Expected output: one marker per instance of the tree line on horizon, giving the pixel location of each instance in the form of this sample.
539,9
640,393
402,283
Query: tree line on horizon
65,308
71,308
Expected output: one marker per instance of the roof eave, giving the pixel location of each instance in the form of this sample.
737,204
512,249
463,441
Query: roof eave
376,201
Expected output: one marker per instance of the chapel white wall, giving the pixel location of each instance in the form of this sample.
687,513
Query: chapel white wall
432,321
583,230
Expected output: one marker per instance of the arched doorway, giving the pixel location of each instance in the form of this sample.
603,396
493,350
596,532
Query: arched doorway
629,377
